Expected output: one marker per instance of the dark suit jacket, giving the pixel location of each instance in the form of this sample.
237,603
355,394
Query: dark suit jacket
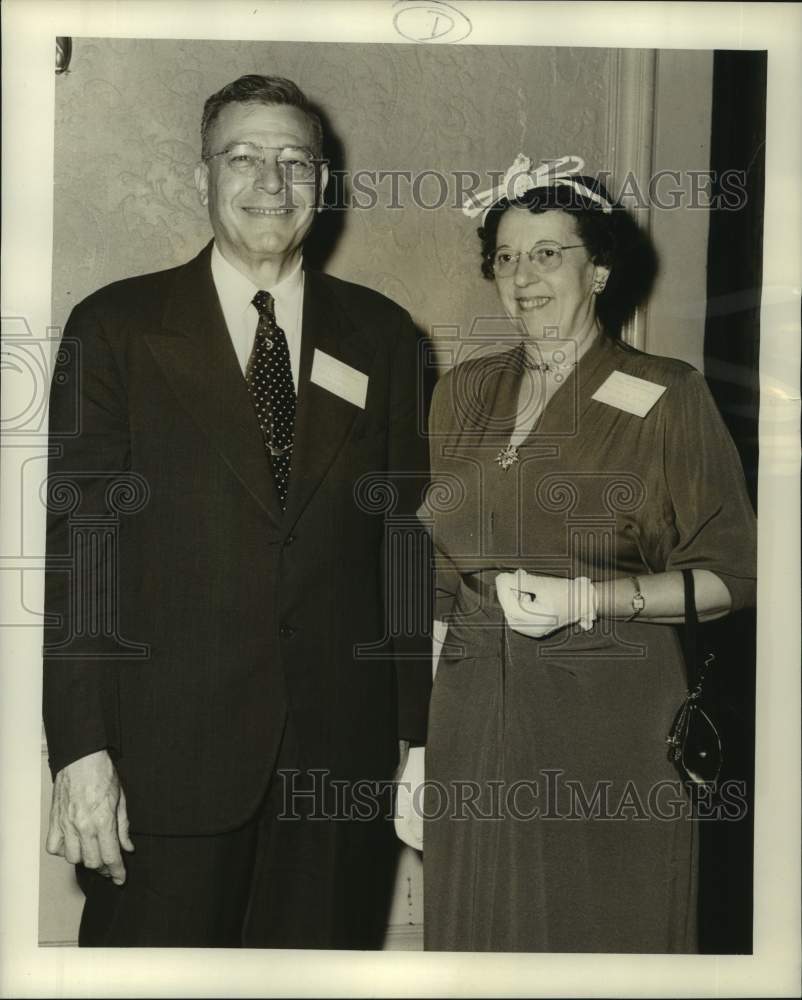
186,612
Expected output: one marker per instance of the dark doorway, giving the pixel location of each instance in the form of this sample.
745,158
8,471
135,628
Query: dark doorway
732,343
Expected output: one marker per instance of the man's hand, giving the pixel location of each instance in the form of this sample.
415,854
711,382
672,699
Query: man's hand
88,816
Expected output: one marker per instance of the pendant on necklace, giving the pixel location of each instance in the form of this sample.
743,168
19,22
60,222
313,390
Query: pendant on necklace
507,457
558,370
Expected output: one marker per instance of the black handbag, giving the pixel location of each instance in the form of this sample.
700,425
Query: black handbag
694,744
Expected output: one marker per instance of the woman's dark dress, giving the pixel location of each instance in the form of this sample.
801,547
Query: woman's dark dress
588,851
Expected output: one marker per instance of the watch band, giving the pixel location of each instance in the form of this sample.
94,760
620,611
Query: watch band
638,600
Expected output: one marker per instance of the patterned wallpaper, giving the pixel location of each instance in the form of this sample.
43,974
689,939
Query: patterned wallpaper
127,120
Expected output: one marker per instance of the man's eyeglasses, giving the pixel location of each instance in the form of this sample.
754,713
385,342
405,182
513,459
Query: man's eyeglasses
296,163
546,256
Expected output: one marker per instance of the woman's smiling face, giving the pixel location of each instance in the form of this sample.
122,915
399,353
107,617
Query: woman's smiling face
555,304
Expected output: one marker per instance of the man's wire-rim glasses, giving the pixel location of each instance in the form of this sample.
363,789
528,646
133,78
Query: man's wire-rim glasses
296,163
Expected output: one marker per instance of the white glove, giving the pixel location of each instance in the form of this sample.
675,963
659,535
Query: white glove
411,770
408,819
539,605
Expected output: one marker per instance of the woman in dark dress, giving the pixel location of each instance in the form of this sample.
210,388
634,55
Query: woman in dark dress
577,478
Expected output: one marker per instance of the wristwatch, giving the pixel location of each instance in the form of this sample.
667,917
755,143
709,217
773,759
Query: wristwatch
638,600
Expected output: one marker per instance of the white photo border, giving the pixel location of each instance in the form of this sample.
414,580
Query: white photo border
29,31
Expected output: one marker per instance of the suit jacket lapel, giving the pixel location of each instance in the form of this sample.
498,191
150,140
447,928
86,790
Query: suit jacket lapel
195,353
323,420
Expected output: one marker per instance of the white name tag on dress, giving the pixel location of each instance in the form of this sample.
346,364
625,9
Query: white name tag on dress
628,393
339,378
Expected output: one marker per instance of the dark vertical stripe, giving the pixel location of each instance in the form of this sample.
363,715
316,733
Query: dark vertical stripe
735,248
732,346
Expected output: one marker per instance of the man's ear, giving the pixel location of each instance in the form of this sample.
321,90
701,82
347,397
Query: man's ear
202,182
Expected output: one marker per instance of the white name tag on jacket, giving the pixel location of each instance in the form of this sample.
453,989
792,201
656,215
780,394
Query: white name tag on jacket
341,379
628,393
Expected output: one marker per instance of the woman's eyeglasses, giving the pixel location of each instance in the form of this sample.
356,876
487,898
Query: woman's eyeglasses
545,256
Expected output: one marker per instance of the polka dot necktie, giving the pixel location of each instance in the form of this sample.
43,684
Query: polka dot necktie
269,378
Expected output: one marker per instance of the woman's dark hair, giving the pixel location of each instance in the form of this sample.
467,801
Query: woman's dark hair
613,240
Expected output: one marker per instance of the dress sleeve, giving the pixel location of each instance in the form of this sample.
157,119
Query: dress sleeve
715,527
446,574
446,582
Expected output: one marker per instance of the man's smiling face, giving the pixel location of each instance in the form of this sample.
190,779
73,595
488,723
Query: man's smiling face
263,216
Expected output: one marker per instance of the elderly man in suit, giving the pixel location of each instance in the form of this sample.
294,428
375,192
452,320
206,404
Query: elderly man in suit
218,790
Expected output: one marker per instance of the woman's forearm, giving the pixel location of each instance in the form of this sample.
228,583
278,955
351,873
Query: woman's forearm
663,597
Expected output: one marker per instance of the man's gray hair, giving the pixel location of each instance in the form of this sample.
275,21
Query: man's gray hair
256,89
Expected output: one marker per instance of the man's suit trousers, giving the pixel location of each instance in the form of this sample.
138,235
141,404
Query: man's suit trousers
306,872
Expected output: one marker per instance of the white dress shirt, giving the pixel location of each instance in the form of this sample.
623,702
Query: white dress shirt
236,293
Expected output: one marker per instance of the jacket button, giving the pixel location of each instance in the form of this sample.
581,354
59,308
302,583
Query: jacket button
286,631
289,539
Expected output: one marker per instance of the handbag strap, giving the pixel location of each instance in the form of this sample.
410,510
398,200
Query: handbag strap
690,634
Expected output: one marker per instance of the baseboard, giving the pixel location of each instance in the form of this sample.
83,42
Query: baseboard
404,937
